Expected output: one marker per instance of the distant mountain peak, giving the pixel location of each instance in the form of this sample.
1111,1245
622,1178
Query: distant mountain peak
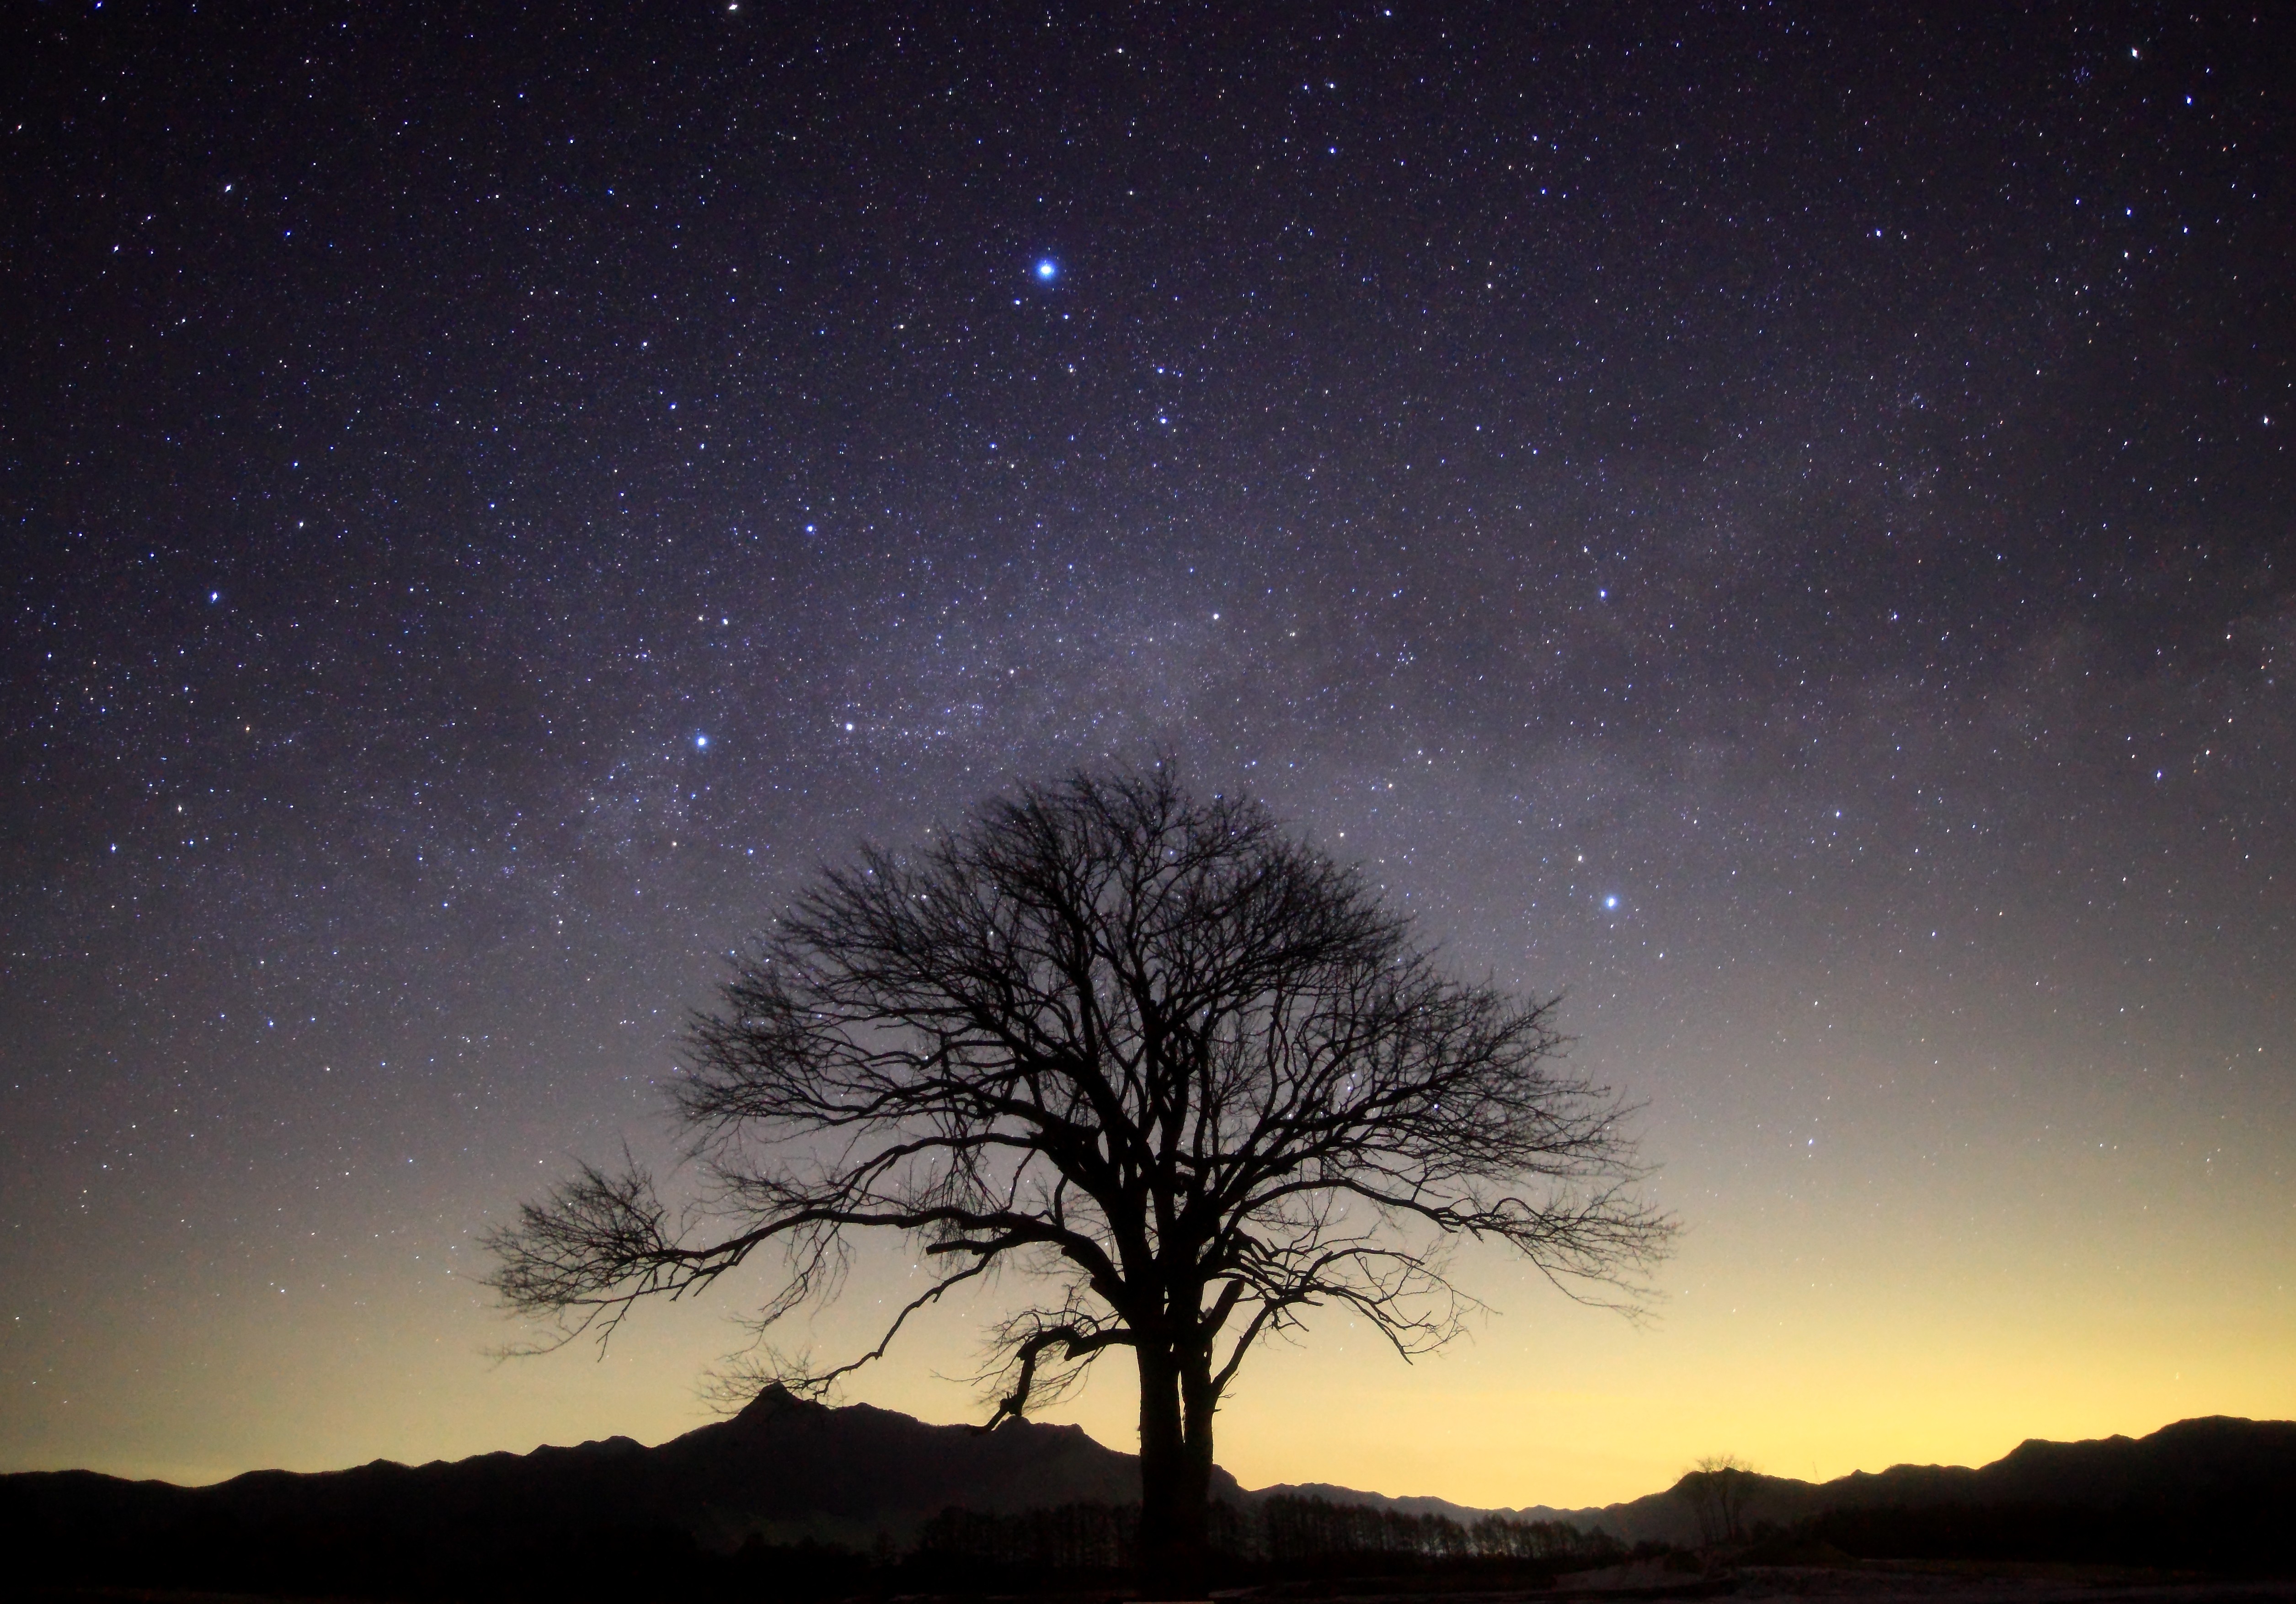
774,1399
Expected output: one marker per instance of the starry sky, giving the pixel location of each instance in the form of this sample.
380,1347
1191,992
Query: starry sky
1773,520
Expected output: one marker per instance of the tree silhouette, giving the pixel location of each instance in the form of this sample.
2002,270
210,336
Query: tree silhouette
1717,1487
1181,1066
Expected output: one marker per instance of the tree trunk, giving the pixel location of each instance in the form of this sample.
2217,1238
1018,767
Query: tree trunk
1175,1481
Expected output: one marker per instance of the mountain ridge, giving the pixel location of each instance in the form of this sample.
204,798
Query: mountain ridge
788,1470
783,1468
2204,1456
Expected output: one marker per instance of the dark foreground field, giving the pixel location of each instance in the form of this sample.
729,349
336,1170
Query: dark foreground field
1867,1582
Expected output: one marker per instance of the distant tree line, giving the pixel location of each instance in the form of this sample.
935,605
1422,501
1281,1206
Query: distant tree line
1310,1532
1284,1534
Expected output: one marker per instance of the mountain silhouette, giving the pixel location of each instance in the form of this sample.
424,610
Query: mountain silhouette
1423,1504
784,1468
788,1481
2214,1459
783,1472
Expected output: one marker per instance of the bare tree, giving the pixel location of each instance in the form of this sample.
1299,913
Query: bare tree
1179,1065
1717,1487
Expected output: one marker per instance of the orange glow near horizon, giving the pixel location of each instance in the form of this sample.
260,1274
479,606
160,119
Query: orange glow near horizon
1814,1329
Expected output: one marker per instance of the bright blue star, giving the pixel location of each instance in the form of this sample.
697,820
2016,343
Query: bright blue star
1609,902
1047,270
700,743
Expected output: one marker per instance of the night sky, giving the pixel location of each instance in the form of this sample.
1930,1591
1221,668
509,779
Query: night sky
1773,520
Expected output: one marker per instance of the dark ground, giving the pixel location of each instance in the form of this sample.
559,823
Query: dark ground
1870,1582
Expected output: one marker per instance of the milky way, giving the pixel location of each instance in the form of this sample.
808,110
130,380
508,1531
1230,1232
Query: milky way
1774,523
